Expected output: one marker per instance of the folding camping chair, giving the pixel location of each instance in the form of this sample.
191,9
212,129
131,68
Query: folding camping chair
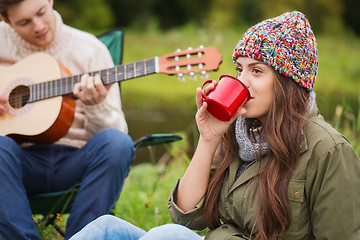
50,205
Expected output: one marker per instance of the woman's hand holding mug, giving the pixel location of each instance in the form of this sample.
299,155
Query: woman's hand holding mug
219,104
226,97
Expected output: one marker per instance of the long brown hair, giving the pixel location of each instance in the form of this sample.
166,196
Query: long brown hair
282,130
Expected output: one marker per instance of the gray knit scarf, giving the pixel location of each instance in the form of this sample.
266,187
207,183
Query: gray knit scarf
252,142
252,145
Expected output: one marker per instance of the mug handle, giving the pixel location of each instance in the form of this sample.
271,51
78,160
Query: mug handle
203,85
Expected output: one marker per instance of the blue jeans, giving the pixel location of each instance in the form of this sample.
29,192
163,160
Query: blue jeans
108,227
100,166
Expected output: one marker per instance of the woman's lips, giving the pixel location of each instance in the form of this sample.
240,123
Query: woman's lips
251,98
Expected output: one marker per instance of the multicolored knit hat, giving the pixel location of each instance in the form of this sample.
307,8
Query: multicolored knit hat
285,43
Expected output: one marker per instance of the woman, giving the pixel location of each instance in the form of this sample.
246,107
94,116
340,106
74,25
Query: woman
276,170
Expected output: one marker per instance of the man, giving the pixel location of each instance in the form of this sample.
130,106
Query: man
96,150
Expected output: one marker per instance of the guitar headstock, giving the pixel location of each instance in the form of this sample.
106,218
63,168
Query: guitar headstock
190,62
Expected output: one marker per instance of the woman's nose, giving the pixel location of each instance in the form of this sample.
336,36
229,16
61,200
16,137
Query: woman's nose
242,78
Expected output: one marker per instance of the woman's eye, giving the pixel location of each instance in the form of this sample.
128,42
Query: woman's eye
256,70
238,70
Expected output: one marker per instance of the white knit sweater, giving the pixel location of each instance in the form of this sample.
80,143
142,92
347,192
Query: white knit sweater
80,52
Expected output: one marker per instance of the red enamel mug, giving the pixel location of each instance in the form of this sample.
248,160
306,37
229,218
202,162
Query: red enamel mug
228,95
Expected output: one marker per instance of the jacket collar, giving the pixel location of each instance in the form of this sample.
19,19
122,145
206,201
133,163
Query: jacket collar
251,171
304,146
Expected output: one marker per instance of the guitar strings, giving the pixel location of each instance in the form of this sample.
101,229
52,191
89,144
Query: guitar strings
44,93
68,83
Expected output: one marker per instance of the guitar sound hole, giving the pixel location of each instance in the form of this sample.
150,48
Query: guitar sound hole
19,96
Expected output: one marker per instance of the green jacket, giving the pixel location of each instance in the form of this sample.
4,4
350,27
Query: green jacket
324,193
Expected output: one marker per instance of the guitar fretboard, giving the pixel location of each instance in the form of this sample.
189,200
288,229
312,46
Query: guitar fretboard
65,86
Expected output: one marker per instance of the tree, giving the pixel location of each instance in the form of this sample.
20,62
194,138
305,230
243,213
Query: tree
86,14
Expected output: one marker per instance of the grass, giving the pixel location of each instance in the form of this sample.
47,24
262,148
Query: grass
143,199
146,190
338,80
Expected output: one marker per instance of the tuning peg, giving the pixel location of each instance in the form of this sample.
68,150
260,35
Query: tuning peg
177,57
181,77
201,46
192,76
204,75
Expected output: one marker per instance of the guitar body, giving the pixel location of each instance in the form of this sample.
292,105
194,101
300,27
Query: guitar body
43,121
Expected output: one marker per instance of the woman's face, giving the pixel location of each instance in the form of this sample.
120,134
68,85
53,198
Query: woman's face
259,79
34,21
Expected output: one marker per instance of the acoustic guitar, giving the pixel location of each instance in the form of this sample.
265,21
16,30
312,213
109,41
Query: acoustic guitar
39,89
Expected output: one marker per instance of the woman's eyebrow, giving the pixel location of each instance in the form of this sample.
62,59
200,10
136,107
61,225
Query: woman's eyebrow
251,64
256,63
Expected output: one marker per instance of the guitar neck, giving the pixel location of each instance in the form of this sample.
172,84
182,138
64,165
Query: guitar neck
189,62
65,86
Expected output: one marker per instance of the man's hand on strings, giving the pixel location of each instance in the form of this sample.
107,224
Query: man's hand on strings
90,90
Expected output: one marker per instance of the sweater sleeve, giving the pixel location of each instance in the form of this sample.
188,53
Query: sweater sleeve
107,114
89,54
